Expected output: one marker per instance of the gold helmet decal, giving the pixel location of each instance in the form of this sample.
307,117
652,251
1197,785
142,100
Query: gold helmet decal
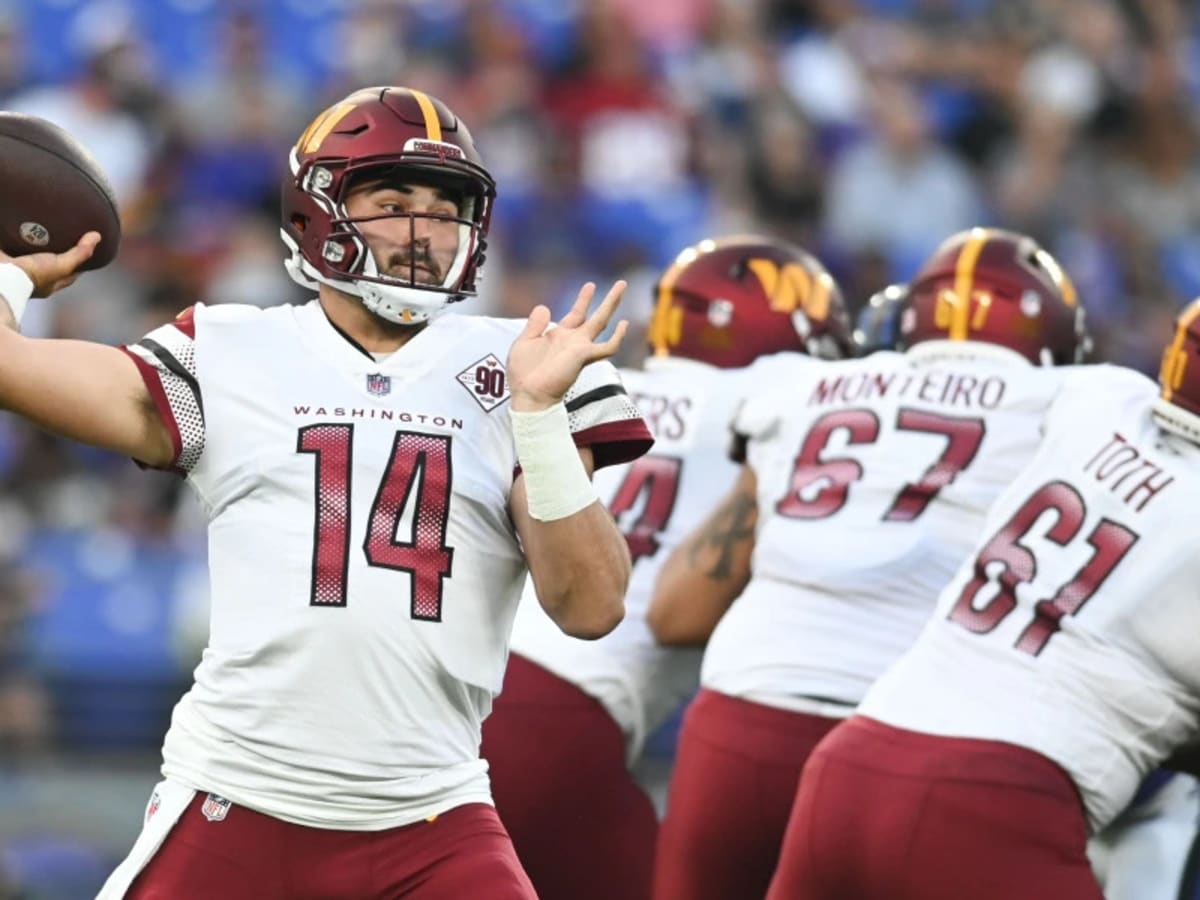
791,287
314,135
1175,357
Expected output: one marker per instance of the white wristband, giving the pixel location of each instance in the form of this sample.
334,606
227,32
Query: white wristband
556,483
16,288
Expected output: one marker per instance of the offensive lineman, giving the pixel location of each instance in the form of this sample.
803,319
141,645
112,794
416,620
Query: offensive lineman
1059,669
582,827
864,485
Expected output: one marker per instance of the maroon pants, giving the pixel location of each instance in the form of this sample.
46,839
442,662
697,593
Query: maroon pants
249,856
731,792
582,827
887,814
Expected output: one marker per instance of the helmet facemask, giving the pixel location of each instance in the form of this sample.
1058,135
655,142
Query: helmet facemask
383,286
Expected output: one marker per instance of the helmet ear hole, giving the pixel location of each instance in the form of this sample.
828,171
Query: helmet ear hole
299,222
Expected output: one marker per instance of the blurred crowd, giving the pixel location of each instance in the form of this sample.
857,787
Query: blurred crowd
618,131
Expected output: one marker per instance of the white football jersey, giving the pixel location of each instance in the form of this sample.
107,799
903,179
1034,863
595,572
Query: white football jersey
1071,629
364,568
657,501
873,478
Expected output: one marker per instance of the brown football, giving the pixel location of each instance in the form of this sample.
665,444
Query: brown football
52,192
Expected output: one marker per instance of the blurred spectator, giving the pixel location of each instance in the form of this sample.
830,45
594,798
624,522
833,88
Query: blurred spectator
24,713
236,120
371,44
626,138
899,192
786,175
248,270
12,63
89,108
819,68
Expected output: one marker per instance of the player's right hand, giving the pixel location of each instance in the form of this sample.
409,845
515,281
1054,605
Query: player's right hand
52,272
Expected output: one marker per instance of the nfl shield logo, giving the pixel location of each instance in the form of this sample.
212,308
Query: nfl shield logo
379,385
215,808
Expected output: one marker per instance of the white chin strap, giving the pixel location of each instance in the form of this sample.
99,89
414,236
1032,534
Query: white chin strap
395,302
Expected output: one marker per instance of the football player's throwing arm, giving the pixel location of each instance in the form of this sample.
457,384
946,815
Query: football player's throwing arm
85,391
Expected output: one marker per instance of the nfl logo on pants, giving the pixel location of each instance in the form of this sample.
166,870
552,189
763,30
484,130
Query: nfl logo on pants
215,808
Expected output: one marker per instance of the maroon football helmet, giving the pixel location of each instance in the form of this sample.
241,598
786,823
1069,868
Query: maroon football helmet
1178,407
404,134
998,287
728,301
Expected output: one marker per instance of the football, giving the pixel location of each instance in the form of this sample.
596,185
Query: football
52,192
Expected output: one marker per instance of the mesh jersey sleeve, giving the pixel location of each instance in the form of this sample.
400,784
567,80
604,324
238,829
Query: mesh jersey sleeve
166,359
604,418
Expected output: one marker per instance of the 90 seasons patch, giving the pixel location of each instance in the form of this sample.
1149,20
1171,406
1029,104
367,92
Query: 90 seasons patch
486,381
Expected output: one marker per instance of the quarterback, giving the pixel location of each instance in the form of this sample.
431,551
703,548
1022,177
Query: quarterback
378,476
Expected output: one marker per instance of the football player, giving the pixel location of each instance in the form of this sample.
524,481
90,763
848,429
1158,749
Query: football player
863,485
1058,670
379,477
573,715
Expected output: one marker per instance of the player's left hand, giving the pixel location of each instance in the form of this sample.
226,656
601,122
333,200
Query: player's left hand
544,362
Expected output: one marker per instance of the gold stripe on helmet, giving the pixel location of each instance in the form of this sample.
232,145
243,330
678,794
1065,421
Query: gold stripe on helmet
1175,358
964,283
316,133
433,125
666,325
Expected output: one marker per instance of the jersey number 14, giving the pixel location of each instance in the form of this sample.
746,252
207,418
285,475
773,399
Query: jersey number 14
419,463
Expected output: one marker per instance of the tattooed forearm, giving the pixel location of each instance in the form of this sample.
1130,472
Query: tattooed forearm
730,526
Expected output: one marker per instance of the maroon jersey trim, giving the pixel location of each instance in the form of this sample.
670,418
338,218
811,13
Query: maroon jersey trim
154,384
613,443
